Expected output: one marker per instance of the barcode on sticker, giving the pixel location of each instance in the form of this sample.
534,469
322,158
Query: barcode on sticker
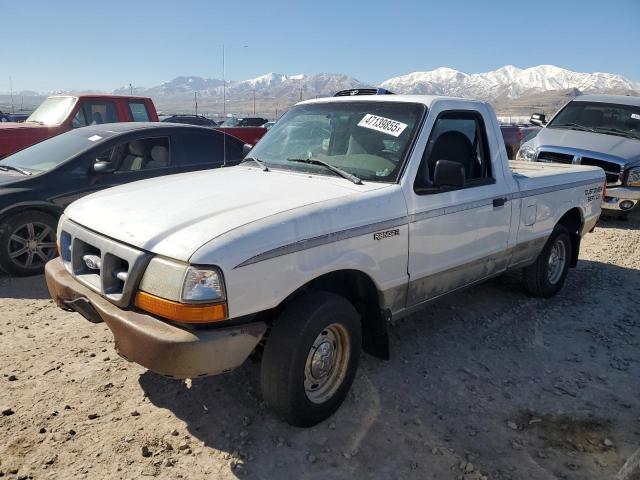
381,124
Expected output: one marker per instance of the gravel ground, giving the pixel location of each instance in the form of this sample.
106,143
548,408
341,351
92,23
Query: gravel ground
485,384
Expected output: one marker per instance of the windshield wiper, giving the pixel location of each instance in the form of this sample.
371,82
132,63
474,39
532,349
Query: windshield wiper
617,131
6,168
575,126
260,163
334,169
34,121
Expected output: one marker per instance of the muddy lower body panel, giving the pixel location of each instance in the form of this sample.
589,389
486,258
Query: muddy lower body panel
160,346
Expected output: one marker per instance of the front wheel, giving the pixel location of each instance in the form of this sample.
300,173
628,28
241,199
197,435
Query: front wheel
27,242
546,276
311,357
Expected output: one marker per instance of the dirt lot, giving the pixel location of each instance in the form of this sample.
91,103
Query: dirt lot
489,383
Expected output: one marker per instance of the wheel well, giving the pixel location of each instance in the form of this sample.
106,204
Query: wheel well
572,221
44,208
359,289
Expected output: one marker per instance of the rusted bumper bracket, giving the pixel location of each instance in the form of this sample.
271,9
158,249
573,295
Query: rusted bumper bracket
165,348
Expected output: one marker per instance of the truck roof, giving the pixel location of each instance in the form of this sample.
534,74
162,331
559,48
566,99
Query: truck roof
427,100
619,99
100,95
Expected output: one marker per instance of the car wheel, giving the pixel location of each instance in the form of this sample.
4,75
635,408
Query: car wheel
311,357
27,242
546,276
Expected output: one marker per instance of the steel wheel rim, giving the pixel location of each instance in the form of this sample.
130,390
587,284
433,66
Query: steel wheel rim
557,260
327,363
32,244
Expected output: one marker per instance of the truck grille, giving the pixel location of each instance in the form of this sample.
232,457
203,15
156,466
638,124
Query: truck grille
555,157
612,170
107,267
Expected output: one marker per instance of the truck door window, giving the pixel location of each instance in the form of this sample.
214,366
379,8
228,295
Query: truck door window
458,136
94,113
139,112
139,154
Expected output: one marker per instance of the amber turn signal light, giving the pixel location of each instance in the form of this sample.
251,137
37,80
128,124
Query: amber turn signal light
181,312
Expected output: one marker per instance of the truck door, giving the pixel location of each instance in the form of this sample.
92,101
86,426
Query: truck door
457,236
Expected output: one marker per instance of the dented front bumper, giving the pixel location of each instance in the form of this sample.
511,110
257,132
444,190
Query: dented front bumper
162,347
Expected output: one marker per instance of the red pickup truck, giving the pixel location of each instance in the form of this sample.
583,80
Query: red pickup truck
61,113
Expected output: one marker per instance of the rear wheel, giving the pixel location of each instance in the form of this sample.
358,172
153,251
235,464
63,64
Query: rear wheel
546,276
27,242
311,357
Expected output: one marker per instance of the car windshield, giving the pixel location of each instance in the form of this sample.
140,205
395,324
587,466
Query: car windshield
606,118
52,111
367,139
230,122
46,155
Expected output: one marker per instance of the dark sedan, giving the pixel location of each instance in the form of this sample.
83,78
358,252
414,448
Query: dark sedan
37,183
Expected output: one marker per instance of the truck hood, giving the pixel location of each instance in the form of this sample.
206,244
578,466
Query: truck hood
11,126
175,215
625,149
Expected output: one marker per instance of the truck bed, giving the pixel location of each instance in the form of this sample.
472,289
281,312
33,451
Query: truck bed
530,175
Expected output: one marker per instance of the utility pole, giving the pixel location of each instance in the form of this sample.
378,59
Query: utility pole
130,89
300,90
224,87
195,99
11,93
254,101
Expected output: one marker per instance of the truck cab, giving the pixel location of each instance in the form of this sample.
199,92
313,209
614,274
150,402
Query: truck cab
61,113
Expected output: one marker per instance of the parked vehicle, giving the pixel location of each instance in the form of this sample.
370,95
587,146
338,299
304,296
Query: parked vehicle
600,130
244,122
37,183
249,135
61,113
350,212
514,135
191,120
13,117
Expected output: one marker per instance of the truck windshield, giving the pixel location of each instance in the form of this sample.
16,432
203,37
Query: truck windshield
597,117
367,139
52,111
46,155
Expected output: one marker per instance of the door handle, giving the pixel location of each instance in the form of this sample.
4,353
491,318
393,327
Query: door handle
499,202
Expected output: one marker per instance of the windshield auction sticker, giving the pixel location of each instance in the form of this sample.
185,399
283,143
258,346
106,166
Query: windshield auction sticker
94,138
381,124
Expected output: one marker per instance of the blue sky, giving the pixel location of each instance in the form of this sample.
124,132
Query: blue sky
77,45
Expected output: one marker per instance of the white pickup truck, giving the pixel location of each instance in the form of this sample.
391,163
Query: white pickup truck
349,212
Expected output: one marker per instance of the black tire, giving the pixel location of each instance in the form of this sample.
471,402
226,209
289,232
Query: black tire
284,371
15,229
542,279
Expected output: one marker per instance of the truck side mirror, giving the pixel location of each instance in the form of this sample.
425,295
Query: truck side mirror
448,174
103,167
538,119
246,148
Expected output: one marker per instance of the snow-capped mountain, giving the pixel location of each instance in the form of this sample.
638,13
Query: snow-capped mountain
507,81
269,86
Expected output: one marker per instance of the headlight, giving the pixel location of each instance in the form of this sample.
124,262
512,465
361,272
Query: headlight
182,292
633,177
526,154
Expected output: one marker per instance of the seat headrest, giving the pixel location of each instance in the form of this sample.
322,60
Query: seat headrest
160,154
136,147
